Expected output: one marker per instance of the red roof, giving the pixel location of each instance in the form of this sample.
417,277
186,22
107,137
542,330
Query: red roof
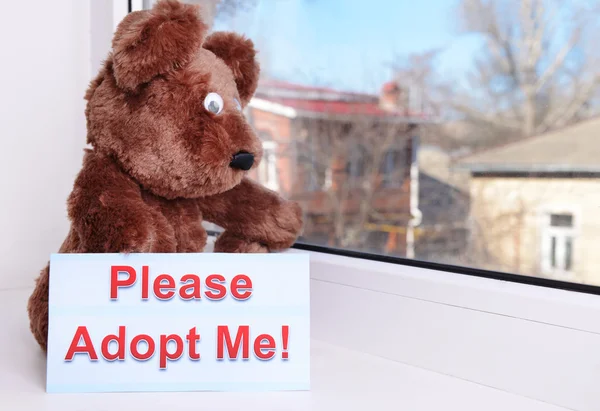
285,85
335,107
323,100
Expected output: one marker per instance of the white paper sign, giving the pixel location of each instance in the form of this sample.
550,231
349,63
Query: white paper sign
178,322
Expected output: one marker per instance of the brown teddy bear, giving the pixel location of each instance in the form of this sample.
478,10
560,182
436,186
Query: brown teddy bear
171,147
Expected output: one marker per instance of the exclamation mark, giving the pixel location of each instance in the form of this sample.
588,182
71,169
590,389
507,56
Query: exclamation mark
284,336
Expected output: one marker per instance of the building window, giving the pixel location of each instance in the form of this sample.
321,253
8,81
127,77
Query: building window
267,170
356,167
557,244
315,165
318,178
561,220
392,168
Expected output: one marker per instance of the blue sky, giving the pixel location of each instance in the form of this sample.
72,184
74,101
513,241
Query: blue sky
349,44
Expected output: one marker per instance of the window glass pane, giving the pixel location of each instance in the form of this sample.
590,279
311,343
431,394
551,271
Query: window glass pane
462,132
561,220
568,253
553,252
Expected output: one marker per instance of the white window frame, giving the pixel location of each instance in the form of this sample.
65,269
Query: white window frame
547,231
141,4
518,338
268,166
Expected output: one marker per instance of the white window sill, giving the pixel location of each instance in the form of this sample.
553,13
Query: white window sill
384,336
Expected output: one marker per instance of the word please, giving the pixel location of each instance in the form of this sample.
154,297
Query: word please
190,286
143,347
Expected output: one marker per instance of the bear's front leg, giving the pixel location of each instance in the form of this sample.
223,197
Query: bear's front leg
109,215
229,242
255,219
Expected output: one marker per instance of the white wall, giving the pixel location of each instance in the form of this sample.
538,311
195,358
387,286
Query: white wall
45,67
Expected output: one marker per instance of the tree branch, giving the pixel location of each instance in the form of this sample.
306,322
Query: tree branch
559,59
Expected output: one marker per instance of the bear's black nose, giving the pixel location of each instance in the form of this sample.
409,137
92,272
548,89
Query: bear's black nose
242,161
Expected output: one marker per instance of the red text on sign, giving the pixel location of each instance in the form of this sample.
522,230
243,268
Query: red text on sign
172,347
229,346
189,286
142,347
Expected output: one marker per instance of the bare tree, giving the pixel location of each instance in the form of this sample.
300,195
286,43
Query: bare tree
220,9
417,75
538,68
348,162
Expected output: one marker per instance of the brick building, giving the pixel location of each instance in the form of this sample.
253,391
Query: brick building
348,158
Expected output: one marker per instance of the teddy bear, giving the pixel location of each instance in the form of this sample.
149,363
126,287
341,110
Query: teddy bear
170,147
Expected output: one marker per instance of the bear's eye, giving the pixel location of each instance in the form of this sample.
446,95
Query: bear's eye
213,103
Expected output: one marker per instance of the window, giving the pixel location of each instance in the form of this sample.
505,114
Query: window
315,166
557,245
500,131
510,188
267,169
356,165
393,168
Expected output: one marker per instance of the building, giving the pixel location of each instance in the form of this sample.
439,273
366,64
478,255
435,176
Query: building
442,236
535,204
348,158
443,200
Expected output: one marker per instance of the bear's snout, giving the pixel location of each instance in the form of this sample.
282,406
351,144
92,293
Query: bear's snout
242,161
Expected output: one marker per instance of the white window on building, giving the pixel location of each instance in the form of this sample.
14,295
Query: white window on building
267,170
558,237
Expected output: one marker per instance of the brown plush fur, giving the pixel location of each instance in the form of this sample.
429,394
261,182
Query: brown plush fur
239,54
160,162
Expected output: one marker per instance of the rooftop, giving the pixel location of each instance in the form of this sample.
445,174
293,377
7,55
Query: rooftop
573,149
300,100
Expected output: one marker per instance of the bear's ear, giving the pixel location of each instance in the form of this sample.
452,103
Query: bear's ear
152,42
239,54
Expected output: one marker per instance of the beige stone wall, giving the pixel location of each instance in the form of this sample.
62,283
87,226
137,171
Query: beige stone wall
507,216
